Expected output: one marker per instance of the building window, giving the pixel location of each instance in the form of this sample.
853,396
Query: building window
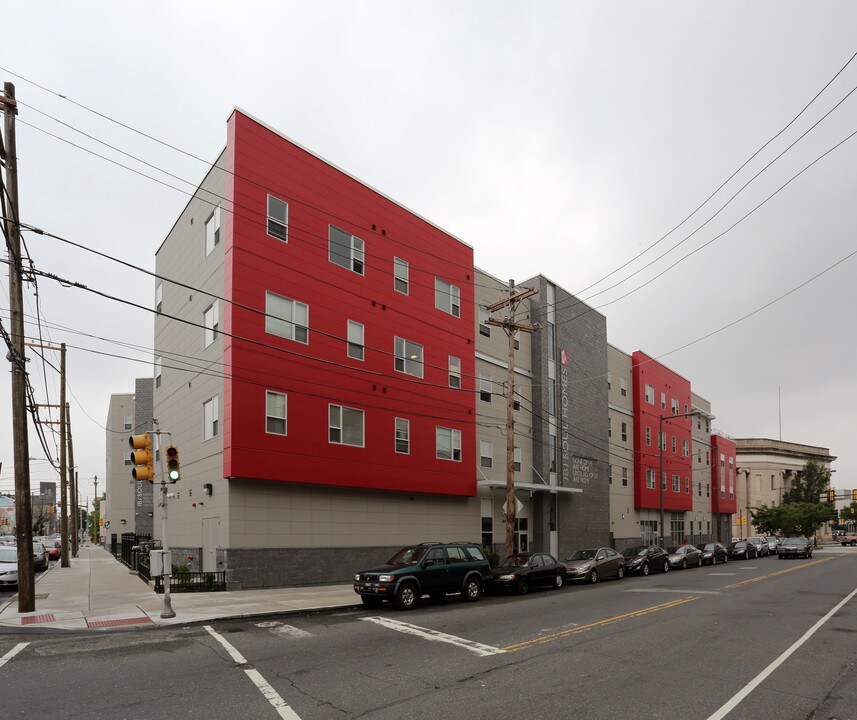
345,426
677,528
552,453
400,276
663,401
685,448
128,457
609,381
516,401
286,318
210,323
551,341
403,436
650,395
623,387
609,474
275,413
662,441
484,327
609,427
447,297
346,250
675,446
624,477
212,231
676,483
454,372
707,458
699,489
129,422
486,454
687,486
355,340
663,481
210,416
485,387
448,444
648,531
675,406
648,435
487,523
278,218
157,375
516,459
159,296
707,490
650,479
409,357
625,432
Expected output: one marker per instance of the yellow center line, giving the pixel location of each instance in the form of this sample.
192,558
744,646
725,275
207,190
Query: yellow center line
600,623
774,574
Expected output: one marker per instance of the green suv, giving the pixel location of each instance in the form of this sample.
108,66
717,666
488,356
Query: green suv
431,568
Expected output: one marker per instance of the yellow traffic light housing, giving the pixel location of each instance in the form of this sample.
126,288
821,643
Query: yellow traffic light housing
854,496
831,496
174,472
141,457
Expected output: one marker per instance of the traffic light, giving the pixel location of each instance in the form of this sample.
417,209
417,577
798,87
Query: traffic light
831,496
174,471
141,457
854,496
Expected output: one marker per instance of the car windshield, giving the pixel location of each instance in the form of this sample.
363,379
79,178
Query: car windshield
739,545
8,555
408,556
634,551
584,555
516,561
794,541
708,547
674,549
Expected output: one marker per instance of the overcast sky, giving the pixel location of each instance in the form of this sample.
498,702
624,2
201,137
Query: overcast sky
561,138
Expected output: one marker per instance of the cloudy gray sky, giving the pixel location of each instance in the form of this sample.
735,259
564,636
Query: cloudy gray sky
561,138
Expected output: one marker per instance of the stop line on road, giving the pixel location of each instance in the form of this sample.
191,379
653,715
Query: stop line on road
435,636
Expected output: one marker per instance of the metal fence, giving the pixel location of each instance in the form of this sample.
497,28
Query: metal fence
194,582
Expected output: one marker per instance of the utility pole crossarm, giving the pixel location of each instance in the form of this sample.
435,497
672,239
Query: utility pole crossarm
524,327
513,297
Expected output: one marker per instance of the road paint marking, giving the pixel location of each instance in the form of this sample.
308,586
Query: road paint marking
12,653
434,635
278,628
722,574
775,574
756,681
600,623
271,695
749,567
669,590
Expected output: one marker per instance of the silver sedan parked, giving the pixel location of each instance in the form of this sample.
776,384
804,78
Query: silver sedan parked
685,556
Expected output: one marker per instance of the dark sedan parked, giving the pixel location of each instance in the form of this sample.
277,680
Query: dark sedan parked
645,558
525,570
742,550
684,556
595,563
794,547
713,552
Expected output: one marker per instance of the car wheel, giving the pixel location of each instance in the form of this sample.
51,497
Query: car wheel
620,572
684,564
666,565
853,543
370,601
645,568
523,586
407,596
557,581
472,590
593,576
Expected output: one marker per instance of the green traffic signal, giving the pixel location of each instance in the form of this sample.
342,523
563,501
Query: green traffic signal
174,472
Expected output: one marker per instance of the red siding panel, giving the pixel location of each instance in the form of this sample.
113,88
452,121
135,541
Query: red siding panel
724,478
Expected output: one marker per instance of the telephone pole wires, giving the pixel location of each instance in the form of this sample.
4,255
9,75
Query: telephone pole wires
23,507
511,327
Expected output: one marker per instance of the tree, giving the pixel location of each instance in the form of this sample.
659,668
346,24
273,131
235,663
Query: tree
810,485
792,519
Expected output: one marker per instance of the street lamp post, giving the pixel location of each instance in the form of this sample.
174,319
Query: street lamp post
661,444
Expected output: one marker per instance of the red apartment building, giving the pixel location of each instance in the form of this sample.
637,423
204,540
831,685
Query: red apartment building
724,465
329,415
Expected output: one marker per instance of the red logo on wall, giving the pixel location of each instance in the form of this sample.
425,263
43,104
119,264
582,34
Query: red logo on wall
564,357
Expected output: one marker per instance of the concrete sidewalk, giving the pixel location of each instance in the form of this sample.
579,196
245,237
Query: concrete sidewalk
98,592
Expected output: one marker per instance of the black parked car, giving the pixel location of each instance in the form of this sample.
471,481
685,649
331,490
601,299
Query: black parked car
645,558
713,553
795,547
431,568
525,570
742,550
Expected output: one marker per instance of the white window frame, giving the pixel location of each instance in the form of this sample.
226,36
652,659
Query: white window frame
516,459
650,394
159,296
355,346
211,418
624,477
212,231
486,385
650,479
402,434
403,362
401,276
454,442
128,422
275,222
128,457
648,436
269,416
454,372
624,432
623,387
288,324
211,323
663,401
335,424
676,483
486,454
356,251
484,327
447,297
157,372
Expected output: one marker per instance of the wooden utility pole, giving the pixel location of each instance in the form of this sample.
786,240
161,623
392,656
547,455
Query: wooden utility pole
511,327
23,507
63,468
72,484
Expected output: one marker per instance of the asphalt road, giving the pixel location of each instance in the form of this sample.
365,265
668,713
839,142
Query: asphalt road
679,645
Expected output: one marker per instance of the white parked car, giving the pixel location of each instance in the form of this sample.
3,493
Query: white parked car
8,565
